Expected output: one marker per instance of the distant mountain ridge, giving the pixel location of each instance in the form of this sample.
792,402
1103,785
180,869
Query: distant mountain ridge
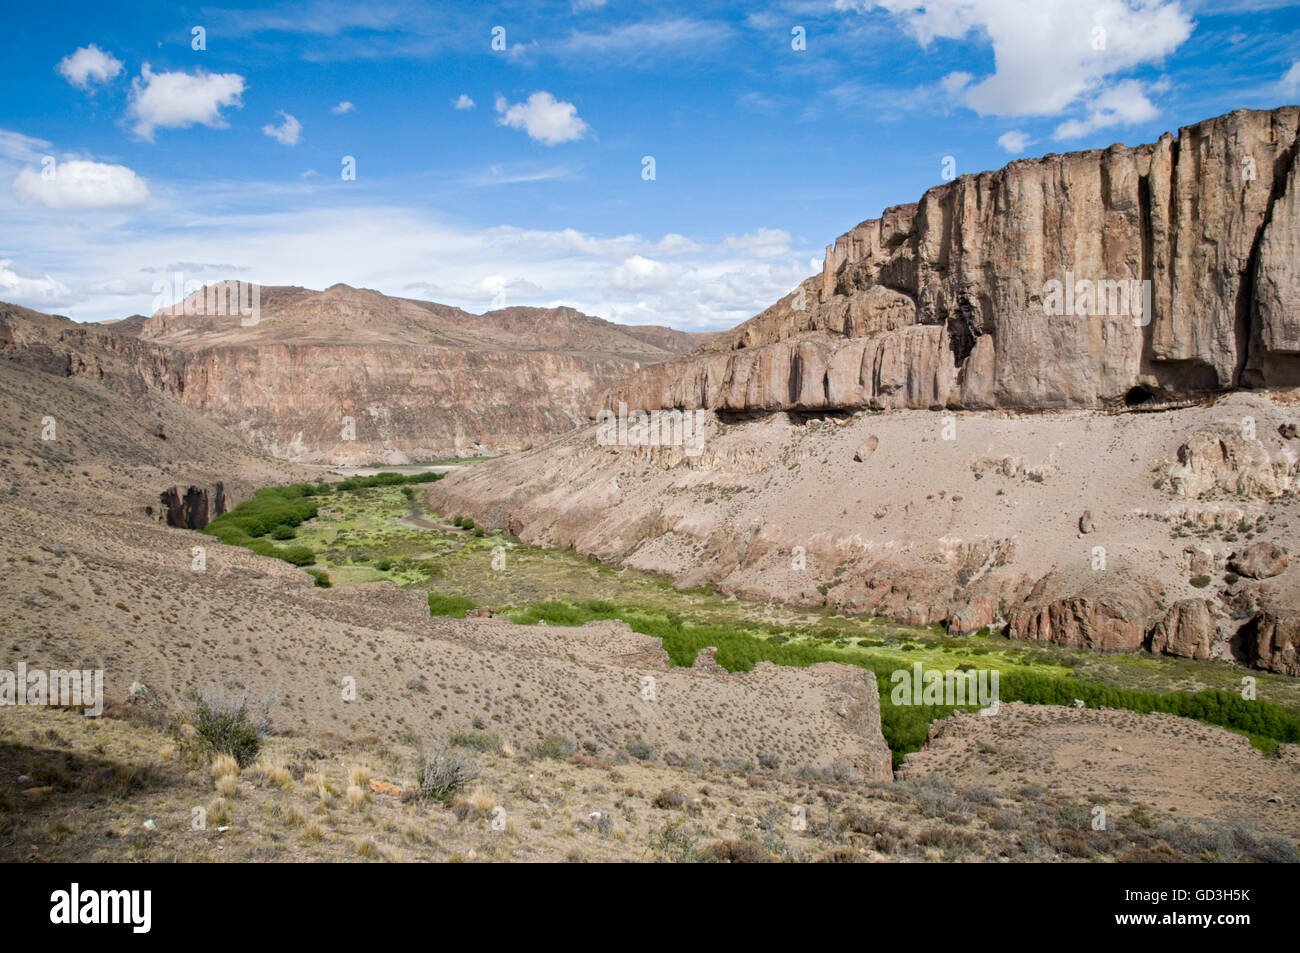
353,376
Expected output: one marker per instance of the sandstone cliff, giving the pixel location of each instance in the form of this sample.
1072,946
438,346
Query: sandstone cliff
943,303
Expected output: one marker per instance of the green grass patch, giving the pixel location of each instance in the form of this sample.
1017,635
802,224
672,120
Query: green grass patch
906,727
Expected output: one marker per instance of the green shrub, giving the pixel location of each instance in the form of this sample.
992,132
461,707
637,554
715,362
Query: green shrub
224,725
298,555
322,578
482,741
479,532
283,532
1200,582
384,565
467,523
449,605
554,746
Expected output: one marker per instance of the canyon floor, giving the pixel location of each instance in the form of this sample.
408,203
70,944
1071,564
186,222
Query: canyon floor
774,763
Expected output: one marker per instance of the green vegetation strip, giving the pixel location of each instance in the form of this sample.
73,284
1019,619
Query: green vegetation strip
906,726
277,511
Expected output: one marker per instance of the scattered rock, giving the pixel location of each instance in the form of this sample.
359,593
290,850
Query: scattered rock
1085,522
867,449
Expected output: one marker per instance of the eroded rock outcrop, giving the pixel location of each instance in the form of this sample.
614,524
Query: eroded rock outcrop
192,507
1187,629
1103,611
950,302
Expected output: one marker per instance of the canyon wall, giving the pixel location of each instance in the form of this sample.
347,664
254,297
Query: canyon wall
950,302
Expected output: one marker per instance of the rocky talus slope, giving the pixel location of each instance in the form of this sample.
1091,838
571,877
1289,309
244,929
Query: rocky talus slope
1115,532
948,302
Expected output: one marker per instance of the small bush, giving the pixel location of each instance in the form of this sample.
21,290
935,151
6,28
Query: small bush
283,532
554,746
467,523
224,725
322,578
444,773
1200,582
449,605
479,532
481,741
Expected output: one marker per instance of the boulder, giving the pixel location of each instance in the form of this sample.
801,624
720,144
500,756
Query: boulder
1260,561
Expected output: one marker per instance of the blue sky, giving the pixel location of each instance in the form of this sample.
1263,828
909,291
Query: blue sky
132,155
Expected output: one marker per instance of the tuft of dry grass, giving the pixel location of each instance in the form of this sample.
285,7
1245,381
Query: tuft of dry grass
357,796
227,785
223,765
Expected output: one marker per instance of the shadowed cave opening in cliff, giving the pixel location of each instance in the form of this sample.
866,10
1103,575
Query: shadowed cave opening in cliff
1138,397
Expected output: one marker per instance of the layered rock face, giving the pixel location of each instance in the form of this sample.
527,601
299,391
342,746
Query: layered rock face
353,376
1024,288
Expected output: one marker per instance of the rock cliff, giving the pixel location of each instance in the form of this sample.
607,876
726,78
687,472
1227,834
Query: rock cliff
1085,280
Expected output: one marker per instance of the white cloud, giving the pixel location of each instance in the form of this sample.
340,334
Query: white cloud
761,243
642,40
175,100
15,145
463,102
1014,141
1048,56
287,133
40,293
89,65
119,286
546,119
1123,104
1290,82
343,107
79,184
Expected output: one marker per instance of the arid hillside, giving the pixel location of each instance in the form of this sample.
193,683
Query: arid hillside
567,755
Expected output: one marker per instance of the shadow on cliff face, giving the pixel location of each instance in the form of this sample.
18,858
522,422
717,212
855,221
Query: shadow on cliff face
191,507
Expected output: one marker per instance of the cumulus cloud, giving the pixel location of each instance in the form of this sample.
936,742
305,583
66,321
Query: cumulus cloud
343,107
463,102
177,99
287,132
546,119
89,65
40,293
1050,57
80,184
1014,141
1123,104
